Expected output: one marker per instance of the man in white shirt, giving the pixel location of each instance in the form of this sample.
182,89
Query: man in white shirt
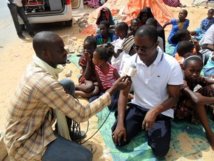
17,9
156,88
207,44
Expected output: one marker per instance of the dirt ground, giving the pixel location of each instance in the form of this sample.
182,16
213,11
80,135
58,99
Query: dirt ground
16,54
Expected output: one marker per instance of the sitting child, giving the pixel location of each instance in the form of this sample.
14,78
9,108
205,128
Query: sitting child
184,35
205,25
178,24
195,94
105,15
153,22
208,69
121,30
184,50
88,85
105,36
135,24
105,72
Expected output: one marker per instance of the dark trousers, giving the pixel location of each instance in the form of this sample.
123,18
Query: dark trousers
15,11
65,150
158,136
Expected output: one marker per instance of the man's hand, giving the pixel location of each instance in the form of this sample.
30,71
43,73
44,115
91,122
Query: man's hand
119,134
149,119
120,83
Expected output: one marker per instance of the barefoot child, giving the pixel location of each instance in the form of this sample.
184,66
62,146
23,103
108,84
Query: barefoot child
87,82
192,101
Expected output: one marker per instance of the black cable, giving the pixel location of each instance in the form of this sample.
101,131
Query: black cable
97,129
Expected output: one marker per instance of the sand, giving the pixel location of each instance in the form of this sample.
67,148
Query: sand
16,54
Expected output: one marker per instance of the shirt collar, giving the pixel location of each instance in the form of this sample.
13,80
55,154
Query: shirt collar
49,69
156,61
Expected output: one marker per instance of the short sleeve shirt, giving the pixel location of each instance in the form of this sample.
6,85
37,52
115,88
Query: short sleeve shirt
150,82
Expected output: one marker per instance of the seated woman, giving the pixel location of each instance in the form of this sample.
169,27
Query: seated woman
193,100
105,36
88,85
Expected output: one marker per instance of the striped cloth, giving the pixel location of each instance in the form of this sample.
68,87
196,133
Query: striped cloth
106,79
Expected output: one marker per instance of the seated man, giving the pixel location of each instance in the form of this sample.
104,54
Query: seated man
29,134
156,86
207,44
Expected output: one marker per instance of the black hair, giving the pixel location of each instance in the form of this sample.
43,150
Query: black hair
147,11
105,51
122,26
43,41
184,47
105,23
179,35
185,11
148,30
105,11
91,40
211,10
192,58
136,19
152,21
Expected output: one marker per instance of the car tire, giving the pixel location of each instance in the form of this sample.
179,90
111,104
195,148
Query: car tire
68,23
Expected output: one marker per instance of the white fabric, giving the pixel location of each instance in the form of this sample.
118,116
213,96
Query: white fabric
124,58
18,3
150,83
208,37
117,45
61,119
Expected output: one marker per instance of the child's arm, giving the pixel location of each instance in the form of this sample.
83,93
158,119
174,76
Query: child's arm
204,99
209,81
89,67
116,74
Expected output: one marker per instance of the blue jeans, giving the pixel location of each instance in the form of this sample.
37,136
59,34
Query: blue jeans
65,150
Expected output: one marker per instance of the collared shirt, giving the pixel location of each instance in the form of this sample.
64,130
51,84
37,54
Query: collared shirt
18,3
150,82
208,37
29,129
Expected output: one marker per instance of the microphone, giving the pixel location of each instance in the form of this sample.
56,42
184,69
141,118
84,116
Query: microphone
131,71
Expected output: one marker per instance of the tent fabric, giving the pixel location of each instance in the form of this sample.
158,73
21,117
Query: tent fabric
129,9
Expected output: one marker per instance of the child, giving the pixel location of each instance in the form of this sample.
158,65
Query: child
208,69
105,36
105,72
153,22
178,24
105,15
121,31
135,24
184,50
88,85
192,99
205,25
